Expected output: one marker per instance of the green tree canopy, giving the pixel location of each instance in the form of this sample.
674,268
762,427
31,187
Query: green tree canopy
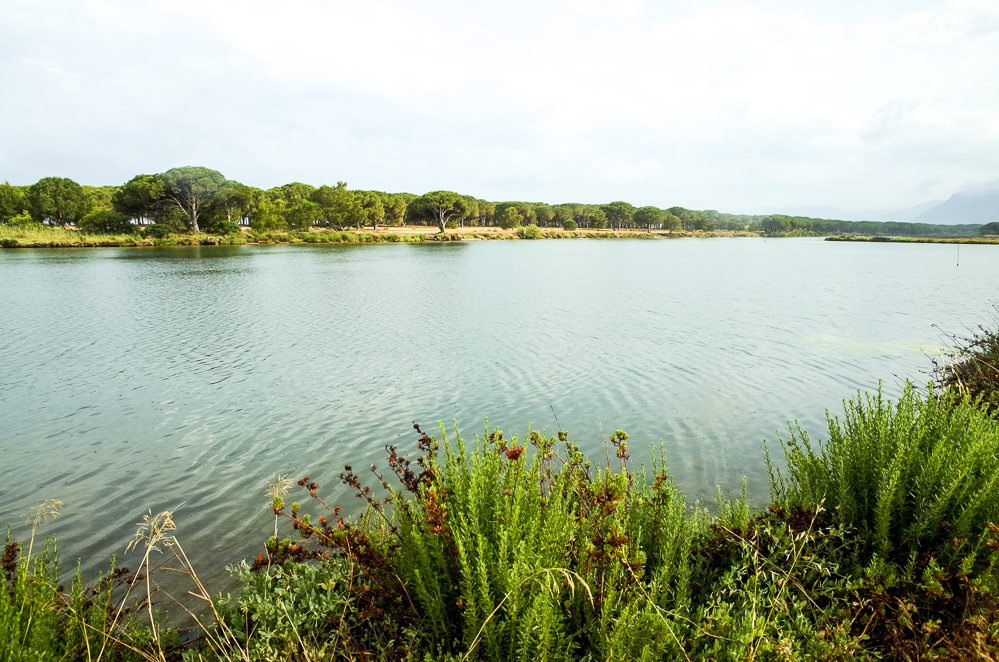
591,217
543,214
57,200
194,189
235,201
649,217
269,211
619,213
294,192
989,228
562,214
303,215
395,209
107,221
509,218
141,197
775,226
372,210
100,196
339,207
504,214
438,207
12,201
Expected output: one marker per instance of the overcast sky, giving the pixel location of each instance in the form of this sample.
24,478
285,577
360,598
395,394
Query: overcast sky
736,106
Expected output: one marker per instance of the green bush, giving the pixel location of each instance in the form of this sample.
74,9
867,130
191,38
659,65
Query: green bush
39,621
527,550
221,227
107,221
510,553
973,368
920,476
288,612
569,225
530,232
22,220
158,231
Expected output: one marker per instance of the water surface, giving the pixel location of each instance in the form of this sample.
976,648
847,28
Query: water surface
135,379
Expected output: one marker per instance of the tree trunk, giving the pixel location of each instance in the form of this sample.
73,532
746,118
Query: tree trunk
194,216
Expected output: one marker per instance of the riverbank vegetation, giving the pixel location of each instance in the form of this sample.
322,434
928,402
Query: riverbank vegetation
195,200
984,239
43,236
972,365
881,541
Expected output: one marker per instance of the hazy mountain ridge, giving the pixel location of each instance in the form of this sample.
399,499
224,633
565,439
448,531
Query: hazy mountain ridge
975,206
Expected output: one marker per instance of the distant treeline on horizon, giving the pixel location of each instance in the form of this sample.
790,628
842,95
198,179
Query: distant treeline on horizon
199,199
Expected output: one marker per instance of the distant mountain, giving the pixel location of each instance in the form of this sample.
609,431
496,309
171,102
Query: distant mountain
973,206
979,205
903,215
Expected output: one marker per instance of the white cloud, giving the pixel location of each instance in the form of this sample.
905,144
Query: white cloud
720,105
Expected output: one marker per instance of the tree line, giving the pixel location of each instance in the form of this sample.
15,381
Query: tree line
199,199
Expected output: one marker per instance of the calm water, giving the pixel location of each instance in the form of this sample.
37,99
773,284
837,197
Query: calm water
135,379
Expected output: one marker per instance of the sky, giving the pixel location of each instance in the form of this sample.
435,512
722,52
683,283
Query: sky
735,106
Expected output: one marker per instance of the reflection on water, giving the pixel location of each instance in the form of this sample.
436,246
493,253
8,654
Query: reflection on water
186,377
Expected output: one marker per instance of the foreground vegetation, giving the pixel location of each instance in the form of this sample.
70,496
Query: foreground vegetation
972,366
880,542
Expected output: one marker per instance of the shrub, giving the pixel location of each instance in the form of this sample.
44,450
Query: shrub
973,368
158,231
288,612
530,232
917,477
221,227
39,621
569,225
526,550
22,220
107,221
509,552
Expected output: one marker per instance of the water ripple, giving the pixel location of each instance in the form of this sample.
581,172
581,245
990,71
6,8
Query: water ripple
186,378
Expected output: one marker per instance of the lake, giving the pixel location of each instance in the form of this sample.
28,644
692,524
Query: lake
185,378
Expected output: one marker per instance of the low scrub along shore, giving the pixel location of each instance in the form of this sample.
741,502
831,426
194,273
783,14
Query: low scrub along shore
916,240
880,542
54,237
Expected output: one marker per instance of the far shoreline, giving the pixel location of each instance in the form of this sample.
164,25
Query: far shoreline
52,237
916,240
71,237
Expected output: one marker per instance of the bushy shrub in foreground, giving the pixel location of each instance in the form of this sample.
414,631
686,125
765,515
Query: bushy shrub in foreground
510,550
511,554
919,476
881,542
40,620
